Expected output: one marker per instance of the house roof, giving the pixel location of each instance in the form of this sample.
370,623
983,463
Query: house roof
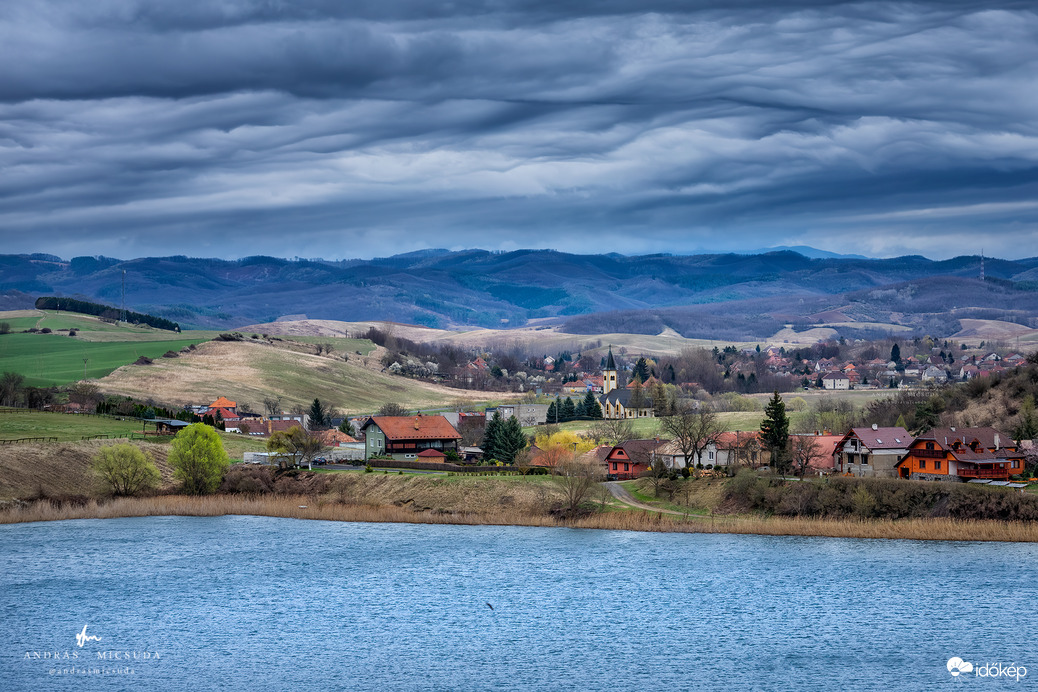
334,437
835,376
638,451
623,396
431,454
987,437
414,427
727,440
223,402
881,438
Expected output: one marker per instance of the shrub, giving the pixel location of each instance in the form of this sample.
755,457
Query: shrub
126,470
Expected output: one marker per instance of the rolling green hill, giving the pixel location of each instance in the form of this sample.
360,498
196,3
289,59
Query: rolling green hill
51,359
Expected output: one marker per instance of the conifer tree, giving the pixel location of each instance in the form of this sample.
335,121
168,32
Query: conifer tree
592,409
492,436
511,440
775,432
569,410
553,413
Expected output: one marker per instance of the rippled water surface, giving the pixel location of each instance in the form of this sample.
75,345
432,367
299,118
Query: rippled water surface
279,604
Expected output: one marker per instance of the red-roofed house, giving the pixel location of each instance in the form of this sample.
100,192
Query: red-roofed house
224,403
872,451
404,437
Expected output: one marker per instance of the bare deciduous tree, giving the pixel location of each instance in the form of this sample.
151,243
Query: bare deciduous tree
578,479
693,429
612,431
272,405
804,449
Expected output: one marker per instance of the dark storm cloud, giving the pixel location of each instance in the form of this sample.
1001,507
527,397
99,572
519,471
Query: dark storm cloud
369,127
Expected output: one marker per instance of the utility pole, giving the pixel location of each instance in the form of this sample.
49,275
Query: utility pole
122,310
982,264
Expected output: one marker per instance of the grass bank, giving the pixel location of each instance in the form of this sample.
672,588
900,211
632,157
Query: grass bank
329,508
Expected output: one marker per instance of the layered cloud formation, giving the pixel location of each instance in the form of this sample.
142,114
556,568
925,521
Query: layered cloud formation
340,129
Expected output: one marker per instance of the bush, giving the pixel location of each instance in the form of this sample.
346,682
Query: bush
126,470
368,469
198,459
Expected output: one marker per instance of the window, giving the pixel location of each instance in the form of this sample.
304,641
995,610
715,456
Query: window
865,459
614,465
929,445
710,456
1016,464
937,465
922,464
627,467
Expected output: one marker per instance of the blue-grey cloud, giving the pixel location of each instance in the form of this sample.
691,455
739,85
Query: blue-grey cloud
358,129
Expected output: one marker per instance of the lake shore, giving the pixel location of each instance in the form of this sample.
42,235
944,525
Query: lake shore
308,507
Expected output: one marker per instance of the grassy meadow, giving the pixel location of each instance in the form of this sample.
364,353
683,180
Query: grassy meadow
47,360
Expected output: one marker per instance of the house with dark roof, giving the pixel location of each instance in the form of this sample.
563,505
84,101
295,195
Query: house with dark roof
405,437
961,454
872,451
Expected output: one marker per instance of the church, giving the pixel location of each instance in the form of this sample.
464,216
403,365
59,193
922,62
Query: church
622,402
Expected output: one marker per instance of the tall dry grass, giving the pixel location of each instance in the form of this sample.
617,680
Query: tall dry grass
303,507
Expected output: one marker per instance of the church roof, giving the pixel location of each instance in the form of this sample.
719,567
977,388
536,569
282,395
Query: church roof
610,363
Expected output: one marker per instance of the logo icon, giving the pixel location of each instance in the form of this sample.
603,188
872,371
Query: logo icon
956,666
82,638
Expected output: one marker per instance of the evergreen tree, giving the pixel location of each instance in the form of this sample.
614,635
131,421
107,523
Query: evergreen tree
318,416
553,413
569,410
579,411
592,409
641,370
511,440
492,436
895,353
775,432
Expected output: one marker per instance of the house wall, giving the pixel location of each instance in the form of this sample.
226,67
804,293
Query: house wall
880,463
374,442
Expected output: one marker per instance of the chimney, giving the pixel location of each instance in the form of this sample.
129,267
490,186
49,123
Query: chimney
875,427
953,429
997,441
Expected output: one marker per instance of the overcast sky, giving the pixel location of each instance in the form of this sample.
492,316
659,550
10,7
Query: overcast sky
360,128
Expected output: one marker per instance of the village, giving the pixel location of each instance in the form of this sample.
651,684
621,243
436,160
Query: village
468,440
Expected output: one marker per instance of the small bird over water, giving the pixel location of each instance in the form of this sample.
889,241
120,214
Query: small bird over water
490,606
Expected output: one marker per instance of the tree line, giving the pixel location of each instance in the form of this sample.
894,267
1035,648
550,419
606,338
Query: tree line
104,311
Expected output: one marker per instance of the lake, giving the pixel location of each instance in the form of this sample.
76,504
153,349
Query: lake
260,603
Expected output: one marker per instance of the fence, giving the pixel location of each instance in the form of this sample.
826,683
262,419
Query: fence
28,440
432,466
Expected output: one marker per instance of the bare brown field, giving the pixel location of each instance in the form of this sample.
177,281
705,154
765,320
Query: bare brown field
993,330
304,507
63,469
547,338
247,371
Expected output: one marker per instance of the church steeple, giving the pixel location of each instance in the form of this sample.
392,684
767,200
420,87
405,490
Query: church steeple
609,374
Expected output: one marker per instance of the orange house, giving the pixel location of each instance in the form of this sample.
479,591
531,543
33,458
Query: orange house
949,453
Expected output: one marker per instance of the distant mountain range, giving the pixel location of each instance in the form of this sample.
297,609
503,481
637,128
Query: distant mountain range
725,296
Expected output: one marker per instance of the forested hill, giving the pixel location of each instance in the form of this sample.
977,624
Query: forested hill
727,296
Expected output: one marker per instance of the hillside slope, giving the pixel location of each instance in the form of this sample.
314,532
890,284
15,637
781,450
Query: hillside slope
249,371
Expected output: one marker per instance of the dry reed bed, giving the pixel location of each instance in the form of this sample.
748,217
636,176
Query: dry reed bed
302,507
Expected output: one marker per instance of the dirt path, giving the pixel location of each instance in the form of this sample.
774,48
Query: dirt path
621,493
